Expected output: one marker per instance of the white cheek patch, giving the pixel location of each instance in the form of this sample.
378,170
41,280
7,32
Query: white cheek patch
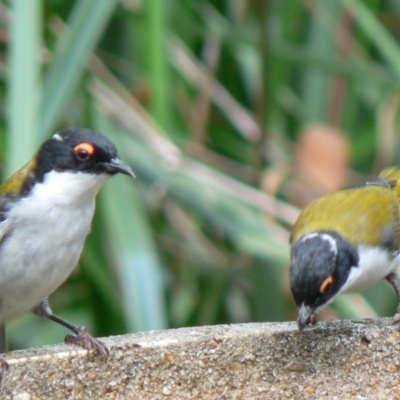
374,265
323,236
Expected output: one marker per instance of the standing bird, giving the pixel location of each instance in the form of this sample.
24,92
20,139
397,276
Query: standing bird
46,209
345,241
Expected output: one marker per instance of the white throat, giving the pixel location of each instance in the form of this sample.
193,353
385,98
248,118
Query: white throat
64,188
374,265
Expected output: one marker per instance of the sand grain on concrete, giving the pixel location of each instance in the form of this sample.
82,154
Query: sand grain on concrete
332,360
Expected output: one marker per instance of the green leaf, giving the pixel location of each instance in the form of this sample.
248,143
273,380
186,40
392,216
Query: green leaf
85,27
24,83
130,239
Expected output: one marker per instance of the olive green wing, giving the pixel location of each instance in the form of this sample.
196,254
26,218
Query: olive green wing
368,215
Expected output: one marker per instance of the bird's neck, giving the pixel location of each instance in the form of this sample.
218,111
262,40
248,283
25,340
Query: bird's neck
68,188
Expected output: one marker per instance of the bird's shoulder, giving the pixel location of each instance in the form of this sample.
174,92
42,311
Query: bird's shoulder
6,201
366,215
20,182
15,187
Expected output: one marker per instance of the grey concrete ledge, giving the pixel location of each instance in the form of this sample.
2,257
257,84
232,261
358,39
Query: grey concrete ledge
335,359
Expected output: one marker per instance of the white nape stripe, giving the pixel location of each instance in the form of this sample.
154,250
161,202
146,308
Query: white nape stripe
324,236
57,137
374,264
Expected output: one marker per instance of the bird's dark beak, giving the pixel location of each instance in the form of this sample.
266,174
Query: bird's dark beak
305,313
117,165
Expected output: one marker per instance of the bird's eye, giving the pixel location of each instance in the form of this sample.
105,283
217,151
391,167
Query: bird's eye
83,151
325,284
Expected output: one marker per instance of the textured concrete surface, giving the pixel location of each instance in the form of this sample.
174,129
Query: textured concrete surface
332,360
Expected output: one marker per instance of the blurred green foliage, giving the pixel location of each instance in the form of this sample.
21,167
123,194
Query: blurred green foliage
203,98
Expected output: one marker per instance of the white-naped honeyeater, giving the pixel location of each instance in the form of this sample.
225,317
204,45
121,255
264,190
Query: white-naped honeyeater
46,209
346,241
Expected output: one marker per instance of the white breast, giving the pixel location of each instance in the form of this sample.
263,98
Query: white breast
374,265
43,237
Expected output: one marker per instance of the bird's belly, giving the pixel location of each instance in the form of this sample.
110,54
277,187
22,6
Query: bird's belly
37,258
374,265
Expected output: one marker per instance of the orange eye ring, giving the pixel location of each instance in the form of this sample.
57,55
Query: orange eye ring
84,150
326,283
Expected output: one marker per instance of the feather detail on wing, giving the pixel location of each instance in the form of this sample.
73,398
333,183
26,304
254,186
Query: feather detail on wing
19,182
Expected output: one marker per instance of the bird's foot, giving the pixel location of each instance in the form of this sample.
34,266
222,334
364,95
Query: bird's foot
84,339
313,319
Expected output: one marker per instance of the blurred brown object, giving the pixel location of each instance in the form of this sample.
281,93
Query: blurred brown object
323,157
321,166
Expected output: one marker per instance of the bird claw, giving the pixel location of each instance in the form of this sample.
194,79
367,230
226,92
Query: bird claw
84,339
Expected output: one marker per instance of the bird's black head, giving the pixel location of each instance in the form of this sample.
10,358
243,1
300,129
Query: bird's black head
79,150
76,150
320,263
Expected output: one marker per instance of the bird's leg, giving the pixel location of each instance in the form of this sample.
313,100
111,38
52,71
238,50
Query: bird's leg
392,279
81,338
3,349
